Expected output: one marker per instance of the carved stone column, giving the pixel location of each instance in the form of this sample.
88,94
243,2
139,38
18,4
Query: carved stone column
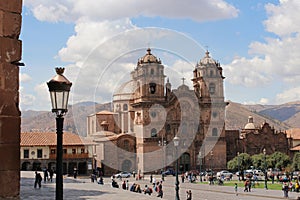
10,55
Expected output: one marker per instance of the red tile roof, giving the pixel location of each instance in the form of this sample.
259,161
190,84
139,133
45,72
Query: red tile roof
296,148
49,139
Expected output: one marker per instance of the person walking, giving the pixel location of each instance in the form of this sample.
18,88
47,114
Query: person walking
38,180
45,175
51,174
160,191
236,189
285,189
151,178
189,195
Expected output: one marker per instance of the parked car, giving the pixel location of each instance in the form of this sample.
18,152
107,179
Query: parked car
169,172
225,174
123,175
258,172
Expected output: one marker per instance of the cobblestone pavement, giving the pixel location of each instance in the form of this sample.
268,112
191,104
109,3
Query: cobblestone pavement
83,189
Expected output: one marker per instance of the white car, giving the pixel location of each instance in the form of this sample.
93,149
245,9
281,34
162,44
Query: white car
225,174
123,175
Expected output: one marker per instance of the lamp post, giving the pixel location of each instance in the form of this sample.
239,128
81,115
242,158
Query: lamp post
200,165
59,88
265,163
162,143
176,144
238,157
211,165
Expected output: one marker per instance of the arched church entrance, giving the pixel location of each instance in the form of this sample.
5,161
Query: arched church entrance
185,162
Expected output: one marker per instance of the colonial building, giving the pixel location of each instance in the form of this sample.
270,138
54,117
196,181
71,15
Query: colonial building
38,151
148,114
293,135
252,139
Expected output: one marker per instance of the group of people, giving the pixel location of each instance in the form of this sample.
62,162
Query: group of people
135,187
48,176
190,176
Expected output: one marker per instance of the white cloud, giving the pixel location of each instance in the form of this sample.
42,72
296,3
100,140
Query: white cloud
292,94
276,60
72,10
283,19
248,72
26,100
24,78
263,101
109,64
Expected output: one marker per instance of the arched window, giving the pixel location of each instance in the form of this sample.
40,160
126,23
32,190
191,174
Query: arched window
212,88
152,88
125,107
153,132
126,145
215,132
152,71
168,128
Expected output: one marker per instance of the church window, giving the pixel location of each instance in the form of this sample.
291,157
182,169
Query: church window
168,128
152,71
26,153
153,114
215,132
215,114
126,145
212,88
40,153
152,87
153,132
125,107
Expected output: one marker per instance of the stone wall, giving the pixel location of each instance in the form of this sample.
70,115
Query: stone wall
10,54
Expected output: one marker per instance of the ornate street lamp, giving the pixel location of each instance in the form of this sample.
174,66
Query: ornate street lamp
239,173
176,140
265,159
59,88
200,163
211,163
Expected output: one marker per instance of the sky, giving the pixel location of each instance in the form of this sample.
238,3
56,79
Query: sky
99,42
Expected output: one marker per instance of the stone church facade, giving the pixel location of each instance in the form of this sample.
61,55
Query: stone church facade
252,139
147,114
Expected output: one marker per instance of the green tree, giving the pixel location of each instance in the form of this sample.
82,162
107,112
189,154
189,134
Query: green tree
278,160
243,162
296,162
258,161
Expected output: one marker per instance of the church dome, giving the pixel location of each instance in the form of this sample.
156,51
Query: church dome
148,58
125,91
207,59
250,124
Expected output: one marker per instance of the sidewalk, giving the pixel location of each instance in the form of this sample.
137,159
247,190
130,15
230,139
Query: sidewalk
83,189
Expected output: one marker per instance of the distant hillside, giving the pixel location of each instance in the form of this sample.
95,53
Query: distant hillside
75,120
237,117
281,117
289,113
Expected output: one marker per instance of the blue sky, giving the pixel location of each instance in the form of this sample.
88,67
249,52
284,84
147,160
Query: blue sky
99,42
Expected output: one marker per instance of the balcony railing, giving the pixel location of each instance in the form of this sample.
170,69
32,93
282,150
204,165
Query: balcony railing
71,156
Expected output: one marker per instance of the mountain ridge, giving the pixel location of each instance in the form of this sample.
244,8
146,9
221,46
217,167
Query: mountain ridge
281,117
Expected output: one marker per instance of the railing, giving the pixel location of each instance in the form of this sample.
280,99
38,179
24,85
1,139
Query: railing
71,156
